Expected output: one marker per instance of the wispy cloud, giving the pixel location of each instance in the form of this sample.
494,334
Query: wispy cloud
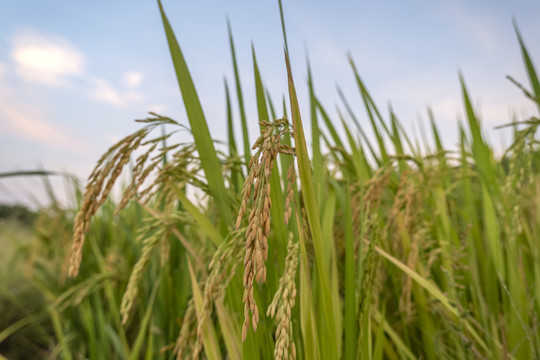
133,79
31,125
25,121
103,91
158,108
53,60
45,59
480,27
3,70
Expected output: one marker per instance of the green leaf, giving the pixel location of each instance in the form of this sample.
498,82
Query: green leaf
210,342
481,151
329,348
205,146
318,168
276,193
308,319
351,328
358,126
236,175
371,108
240,96
143,326
531,72
204,223
432,289
231,333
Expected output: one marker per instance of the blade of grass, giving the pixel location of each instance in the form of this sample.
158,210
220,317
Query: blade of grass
396,139
231,334
240,96
371,108
358,126
113,304
379,340
276,192
31,173
404,351
330,126
201,134
205,224
482,153
282,17
362,169
350,318
318,170
210,342
329,349
431,288
236,175
531,72
307,308
143,326
435,131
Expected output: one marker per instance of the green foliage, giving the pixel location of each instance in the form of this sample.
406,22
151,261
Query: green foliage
377,251
17,212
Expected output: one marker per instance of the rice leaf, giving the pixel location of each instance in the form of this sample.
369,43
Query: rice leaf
210,342
205,224
240,97
329,349
201,134
529,66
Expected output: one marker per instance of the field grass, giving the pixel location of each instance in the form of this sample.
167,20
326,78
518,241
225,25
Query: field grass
354,248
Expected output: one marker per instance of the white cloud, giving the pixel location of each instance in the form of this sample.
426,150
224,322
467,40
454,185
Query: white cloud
105,92
480,27
133,78
29,124
45,59
158,108
134,97
52,60
447,109
25,121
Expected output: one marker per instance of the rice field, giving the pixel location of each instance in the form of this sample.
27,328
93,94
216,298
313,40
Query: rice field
366,244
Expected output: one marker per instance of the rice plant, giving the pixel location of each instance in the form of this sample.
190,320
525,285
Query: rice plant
351,249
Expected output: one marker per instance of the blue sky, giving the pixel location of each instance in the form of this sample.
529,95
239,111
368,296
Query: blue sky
75,74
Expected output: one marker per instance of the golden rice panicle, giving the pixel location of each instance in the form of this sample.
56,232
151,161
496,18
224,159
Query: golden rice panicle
258,228
291,177
282,305
139,174
371,237
255,257
246,190
181,169
374,187
133,283
184,342
104,176
97,190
